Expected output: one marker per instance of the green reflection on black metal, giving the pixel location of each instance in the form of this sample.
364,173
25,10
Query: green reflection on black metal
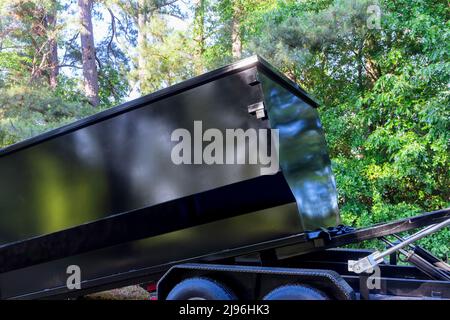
303,155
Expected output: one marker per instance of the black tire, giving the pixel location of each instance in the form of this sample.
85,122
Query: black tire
295,292
200,289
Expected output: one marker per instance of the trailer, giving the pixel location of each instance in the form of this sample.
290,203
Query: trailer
123,198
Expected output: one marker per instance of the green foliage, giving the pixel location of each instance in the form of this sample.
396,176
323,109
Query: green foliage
113,84
168,57
385,101
27,111
219,16
384,92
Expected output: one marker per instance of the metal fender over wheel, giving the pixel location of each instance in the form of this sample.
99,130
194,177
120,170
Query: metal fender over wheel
200,289
295,292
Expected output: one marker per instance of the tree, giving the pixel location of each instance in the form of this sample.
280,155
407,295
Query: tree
168,55
236,42
141,13
90,72
229,26
199,35
384,94
53,46
29,38
384,91
34,96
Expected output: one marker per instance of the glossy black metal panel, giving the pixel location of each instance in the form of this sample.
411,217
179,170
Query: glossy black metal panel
187,212
105,195
154,252
303,155
122,163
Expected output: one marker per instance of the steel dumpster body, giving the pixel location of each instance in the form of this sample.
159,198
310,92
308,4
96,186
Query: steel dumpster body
104,193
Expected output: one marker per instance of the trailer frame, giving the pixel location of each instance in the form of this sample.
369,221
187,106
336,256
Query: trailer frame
300,252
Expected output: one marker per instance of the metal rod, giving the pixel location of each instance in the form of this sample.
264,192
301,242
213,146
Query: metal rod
418,235
422,264
426,255
391,244
420,231
402,239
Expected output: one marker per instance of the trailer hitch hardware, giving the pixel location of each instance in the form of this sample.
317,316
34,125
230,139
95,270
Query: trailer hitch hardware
330,232
422,264
368,263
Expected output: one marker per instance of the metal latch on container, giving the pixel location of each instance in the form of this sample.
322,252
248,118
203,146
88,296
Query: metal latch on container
253,79
257,109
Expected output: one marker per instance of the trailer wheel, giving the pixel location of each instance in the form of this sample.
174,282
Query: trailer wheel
200,289
295,292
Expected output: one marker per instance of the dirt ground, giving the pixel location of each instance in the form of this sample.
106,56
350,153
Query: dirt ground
126,293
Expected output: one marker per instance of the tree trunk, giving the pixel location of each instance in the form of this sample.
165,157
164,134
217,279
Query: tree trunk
53,51
199,34
142,43
90,73
372,68
236,44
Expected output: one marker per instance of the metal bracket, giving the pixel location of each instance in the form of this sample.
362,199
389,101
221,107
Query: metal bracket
365,264
330,232
258,109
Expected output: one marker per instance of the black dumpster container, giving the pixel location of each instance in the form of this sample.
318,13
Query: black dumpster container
104,193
